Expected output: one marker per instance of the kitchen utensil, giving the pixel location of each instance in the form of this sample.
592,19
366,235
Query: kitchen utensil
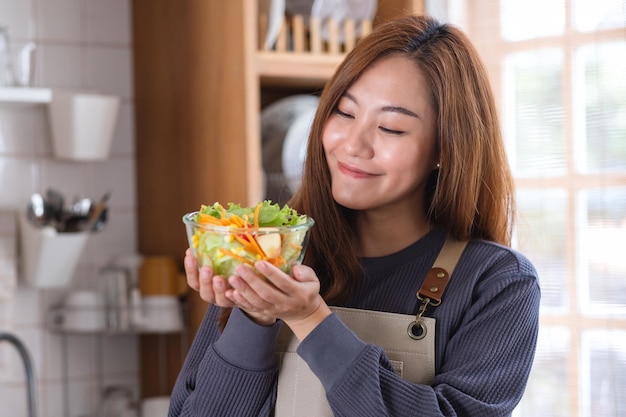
100,221
56,203
96,214
81,207
38,211
76,216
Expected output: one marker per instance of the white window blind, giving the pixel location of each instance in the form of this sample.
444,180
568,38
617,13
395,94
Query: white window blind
558,68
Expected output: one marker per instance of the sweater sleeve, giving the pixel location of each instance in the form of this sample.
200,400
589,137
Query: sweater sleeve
227,374
484,362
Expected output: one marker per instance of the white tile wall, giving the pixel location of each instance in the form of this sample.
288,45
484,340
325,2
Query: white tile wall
84,45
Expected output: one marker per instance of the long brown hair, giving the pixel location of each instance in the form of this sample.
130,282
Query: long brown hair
472,195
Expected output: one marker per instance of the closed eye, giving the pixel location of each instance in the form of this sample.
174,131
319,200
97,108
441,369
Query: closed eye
343,114
391,131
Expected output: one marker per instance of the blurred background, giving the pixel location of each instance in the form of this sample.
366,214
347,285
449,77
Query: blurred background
177,103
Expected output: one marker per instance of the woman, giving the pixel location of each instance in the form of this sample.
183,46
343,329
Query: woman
404,150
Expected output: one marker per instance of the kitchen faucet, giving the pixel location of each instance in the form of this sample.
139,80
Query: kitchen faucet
28,368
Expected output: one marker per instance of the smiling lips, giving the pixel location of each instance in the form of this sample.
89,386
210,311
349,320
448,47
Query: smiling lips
354,172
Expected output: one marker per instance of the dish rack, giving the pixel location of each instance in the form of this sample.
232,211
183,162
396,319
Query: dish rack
309,35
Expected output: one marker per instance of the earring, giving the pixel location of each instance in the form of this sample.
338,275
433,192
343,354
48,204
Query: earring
438,165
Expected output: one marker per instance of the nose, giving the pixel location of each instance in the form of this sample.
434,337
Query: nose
358,140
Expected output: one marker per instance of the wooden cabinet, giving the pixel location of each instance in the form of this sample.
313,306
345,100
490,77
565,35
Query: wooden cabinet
200,81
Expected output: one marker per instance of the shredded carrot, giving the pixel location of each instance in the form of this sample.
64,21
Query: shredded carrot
256,246
205,218
257,210
245,243
237,221
226,252
279,261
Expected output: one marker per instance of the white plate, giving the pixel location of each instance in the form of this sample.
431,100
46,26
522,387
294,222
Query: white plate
340,10
274,21
294,148
276,120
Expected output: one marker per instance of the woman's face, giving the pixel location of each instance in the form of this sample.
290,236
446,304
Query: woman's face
380,140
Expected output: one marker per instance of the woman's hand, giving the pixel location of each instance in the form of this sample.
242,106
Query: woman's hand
271,292
212,288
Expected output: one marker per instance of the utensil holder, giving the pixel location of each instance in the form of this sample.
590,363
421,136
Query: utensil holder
82,125
48,258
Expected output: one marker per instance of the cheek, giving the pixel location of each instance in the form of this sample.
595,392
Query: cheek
330,138
418,160
398,156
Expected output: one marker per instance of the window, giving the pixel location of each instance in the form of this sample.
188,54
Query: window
559,71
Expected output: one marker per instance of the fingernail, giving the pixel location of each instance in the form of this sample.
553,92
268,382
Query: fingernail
219,283
240,269
234,281
261,265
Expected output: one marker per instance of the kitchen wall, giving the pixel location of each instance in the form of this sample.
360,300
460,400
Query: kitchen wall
81,45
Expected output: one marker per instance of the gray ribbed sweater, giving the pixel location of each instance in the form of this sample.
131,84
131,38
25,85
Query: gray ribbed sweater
486,334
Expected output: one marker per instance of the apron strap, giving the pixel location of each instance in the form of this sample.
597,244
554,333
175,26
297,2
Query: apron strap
435,283
439,275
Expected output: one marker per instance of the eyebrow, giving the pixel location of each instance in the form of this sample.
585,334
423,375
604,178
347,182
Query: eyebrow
393,109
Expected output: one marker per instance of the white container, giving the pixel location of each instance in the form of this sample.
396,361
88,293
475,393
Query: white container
82,311
161,314
48,258
155,406
82,125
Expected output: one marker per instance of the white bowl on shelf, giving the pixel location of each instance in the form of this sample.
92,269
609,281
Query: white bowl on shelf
82,124
160,314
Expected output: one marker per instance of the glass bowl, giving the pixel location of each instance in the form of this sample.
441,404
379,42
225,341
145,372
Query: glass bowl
225,247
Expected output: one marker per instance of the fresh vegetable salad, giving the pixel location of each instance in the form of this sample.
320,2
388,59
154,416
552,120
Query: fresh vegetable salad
225,237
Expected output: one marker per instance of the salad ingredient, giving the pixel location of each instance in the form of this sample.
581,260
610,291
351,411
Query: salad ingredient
227,236
270,244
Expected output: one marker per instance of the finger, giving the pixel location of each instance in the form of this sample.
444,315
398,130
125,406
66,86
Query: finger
303,273
191,270
297,292
241,301
219,289
205,285
243,294
279,280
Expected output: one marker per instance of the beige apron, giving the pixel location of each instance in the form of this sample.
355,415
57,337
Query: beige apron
408,342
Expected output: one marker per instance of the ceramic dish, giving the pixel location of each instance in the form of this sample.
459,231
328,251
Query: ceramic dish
340,10
294,148
276,121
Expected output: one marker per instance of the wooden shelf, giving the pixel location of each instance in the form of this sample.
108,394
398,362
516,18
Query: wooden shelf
296,69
